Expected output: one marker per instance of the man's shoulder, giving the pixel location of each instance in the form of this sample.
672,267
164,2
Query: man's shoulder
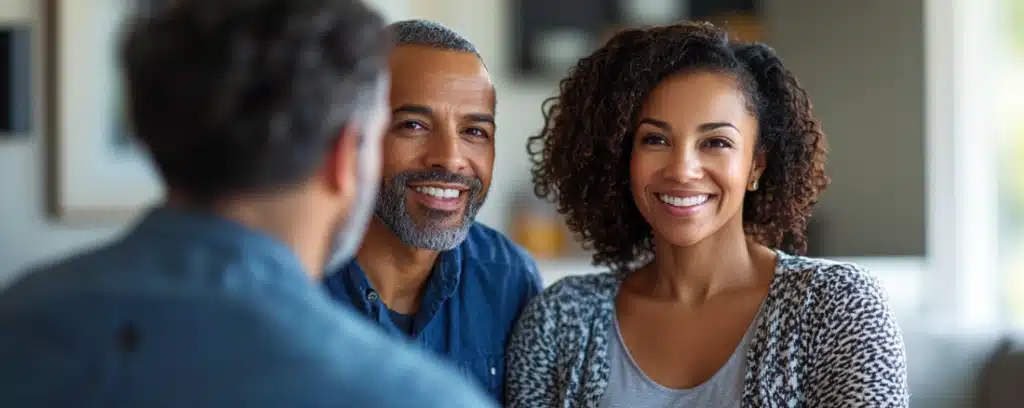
350,356
262,345
485,244
502,258
488,244
56,278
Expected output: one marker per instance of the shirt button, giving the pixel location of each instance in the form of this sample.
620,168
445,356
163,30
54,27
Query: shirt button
493,371
372,296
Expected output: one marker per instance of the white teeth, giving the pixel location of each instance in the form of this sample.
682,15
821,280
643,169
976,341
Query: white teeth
684,201
438,192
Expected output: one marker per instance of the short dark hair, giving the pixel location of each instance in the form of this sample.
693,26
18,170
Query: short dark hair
581,157
429,34
234,96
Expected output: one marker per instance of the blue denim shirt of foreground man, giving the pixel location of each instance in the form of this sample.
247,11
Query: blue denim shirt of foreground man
192,310
469,305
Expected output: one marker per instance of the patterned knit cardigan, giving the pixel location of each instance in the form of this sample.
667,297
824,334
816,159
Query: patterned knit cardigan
826,339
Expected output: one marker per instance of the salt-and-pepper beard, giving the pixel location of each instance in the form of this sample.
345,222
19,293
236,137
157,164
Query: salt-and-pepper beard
432,232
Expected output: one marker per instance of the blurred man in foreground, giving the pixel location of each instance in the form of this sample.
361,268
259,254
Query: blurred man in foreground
263,118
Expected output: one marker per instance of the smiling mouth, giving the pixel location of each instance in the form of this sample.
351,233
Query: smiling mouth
684,202
442,198
438,192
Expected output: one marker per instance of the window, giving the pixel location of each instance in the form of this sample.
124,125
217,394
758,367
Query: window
1011,159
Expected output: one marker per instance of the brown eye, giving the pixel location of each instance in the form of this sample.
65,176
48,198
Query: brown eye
477,133
410,125
654,140
717,143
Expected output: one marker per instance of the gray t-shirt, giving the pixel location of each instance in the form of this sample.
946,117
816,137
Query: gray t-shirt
629,387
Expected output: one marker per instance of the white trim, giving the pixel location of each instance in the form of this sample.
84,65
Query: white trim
939,157
962,185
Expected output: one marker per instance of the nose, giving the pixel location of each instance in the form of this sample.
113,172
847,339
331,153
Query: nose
685,166
444,152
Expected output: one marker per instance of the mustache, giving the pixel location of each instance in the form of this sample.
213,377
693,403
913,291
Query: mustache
474,184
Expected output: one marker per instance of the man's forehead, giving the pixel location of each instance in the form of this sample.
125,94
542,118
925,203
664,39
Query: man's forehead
416,60
422,74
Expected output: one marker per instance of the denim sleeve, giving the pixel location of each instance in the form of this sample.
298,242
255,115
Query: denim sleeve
534,283
378,371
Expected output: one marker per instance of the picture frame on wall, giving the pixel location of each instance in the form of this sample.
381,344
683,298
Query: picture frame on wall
15,80
96,173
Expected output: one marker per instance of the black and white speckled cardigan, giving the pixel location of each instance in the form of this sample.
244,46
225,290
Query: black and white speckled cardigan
826,338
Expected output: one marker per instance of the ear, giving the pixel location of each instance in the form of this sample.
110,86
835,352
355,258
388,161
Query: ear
341,163
756,170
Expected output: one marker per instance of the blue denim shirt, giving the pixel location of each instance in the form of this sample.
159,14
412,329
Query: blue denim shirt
195,311
469,304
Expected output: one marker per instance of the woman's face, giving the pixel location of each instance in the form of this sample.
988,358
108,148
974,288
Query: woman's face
694,157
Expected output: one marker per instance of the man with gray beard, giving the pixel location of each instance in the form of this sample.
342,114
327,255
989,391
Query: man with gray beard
426,271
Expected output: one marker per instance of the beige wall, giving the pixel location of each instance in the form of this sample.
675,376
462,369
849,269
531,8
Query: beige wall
863,64
27,236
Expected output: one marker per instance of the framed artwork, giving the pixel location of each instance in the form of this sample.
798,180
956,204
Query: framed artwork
96,173
15,81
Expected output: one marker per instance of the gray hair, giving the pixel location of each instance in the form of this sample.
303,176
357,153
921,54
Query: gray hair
431,34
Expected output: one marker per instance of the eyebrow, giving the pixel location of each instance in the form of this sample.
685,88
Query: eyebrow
425,110
704,127
418,109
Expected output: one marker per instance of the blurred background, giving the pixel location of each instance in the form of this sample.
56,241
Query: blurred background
920,99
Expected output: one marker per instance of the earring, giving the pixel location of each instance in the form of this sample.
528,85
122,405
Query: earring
754,185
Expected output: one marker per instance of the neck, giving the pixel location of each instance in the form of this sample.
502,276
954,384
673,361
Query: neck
723,262
396,270
301,231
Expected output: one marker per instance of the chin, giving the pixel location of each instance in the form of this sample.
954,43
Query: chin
681,239
683,234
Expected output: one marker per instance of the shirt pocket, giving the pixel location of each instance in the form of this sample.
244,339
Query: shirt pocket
488,371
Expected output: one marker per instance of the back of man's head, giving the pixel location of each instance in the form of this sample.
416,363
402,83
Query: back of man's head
429,34
236,96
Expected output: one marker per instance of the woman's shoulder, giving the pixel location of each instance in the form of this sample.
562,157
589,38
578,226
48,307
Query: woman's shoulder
574,297
830,284
594,286
826,274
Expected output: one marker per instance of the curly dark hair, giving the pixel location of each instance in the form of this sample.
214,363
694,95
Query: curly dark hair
581,157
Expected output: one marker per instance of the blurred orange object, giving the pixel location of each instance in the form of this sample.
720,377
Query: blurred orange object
536,226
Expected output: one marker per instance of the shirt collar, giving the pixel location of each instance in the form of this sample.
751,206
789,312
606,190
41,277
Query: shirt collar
213,231
442,283
448,271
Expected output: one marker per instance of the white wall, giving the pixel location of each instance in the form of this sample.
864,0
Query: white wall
27,236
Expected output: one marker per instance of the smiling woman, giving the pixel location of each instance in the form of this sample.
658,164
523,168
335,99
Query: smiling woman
690,164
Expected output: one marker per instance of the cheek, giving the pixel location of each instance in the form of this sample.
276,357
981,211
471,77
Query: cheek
640,173
397,154
481,161
733,172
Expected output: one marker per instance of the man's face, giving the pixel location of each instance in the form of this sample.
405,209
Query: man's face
438,152
367,175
